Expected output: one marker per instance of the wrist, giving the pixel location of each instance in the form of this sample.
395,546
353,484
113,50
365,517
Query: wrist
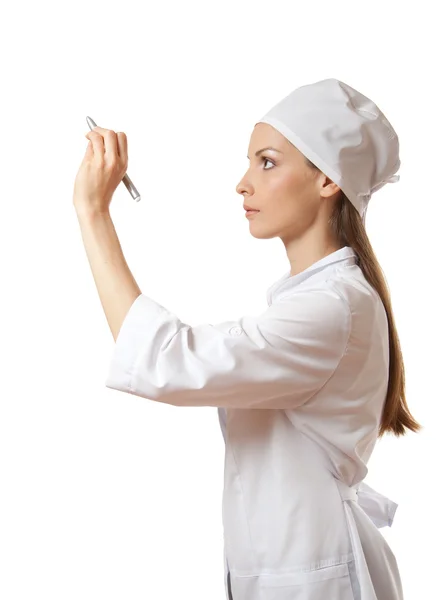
89,213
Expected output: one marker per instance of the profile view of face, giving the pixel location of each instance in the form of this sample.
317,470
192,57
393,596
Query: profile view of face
287,192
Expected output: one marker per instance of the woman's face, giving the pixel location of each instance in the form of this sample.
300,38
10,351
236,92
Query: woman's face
287,192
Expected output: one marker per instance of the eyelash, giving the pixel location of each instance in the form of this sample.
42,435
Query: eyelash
265,159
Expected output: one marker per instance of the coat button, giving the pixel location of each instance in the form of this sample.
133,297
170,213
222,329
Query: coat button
236,331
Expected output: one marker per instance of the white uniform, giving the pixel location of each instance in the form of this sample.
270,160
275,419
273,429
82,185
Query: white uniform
300,390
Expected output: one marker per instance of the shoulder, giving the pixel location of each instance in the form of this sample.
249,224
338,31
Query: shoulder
319,311
360,296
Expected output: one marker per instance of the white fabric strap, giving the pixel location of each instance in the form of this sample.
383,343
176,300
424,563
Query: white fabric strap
379,508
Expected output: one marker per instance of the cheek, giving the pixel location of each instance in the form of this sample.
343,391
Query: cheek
291,193
287,182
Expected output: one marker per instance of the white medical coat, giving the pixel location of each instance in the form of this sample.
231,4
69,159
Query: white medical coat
300,391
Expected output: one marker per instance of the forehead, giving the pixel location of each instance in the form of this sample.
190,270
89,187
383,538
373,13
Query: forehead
264,135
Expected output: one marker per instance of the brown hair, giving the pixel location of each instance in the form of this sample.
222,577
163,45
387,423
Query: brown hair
349,229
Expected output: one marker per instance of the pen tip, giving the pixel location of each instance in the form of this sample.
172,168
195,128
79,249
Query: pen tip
91,123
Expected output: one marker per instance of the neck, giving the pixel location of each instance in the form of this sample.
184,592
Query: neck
302,253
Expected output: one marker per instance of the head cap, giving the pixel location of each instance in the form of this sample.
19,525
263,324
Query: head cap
343,133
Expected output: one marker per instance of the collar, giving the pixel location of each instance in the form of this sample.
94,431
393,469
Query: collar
344,256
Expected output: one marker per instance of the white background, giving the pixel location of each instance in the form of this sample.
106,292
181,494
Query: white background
105,495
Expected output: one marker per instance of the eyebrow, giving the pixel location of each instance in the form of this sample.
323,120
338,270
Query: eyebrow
268,148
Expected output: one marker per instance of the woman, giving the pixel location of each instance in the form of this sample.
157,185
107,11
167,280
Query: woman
304,389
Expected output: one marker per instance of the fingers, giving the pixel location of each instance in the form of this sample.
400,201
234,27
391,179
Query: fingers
89,153
106,141
122,146
97,142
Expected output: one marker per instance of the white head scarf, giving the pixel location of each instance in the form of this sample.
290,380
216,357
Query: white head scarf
343,133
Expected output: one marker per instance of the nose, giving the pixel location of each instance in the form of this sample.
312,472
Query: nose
241,188
244,185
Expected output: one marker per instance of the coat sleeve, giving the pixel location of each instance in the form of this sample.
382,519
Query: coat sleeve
278,359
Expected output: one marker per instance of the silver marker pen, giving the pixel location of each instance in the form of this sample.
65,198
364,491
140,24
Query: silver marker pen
126,180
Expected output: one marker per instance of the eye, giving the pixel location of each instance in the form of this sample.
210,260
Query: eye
265,159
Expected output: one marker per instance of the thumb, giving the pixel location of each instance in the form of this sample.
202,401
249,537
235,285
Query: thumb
89,151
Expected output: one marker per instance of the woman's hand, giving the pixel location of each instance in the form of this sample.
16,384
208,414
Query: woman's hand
102,169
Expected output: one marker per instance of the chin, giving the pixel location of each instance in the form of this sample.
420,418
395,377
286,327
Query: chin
263,235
